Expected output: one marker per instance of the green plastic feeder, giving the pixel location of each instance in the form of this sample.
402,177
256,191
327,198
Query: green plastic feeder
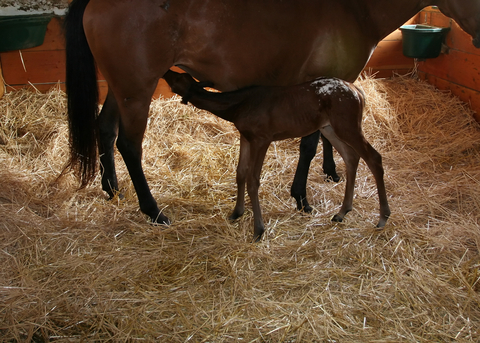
423,41
23,31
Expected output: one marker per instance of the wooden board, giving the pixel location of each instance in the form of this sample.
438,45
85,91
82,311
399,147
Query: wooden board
388,59
33,66
458,70
467,95
457,66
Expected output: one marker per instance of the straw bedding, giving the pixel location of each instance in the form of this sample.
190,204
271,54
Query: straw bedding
76,267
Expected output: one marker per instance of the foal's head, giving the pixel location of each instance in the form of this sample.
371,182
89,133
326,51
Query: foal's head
183,84
180,83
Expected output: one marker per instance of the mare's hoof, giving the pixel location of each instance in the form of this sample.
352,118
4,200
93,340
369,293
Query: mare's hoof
336,218
332,177
118,195
303,205
307,209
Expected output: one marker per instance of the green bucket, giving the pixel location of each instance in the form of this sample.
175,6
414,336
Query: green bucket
23,31
423,41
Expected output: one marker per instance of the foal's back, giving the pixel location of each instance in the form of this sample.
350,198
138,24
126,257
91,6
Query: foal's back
297,111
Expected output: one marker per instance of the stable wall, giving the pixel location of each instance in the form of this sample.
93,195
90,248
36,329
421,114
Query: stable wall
41,67
388,59
44,66
458,69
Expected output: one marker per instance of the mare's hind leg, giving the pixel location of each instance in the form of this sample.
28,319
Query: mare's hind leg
351,159
132,125
107,123
308,149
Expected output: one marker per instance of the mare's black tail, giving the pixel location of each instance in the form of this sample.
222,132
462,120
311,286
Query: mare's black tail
82,91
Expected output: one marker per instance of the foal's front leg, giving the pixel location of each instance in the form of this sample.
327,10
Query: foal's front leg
258,151
242,170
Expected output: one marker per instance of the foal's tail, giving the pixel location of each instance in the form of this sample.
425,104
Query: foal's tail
81,84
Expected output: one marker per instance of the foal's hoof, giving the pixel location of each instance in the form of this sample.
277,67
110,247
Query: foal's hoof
337,219
257,237
380,225
383,219
235,215
258,231
161,219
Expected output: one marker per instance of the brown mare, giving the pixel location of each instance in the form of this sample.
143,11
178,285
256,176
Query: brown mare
265,114
231,43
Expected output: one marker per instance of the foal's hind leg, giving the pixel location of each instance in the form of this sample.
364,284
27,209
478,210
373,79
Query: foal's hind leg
374,163
107,123
351,159
352,135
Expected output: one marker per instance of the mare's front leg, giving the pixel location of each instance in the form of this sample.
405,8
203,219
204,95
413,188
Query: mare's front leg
308,149
328,161
107,123
242,170
258,151
133,122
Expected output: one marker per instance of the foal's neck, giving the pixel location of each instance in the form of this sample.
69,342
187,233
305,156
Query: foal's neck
223,105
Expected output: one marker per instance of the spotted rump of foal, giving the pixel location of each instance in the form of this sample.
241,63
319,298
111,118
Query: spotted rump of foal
266,114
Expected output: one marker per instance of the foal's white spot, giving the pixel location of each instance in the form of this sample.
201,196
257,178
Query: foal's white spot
326,86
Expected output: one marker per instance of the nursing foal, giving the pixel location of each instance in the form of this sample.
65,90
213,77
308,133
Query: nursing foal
266,114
